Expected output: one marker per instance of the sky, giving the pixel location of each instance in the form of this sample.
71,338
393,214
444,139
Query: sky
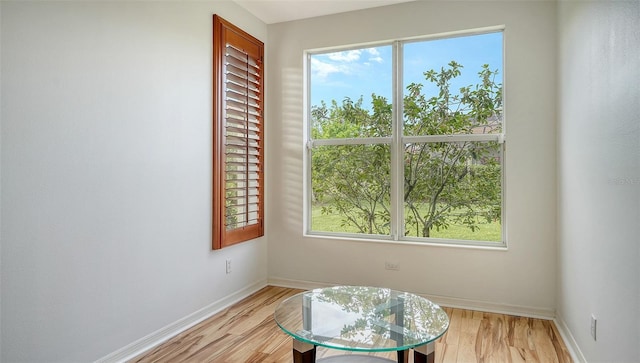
361,72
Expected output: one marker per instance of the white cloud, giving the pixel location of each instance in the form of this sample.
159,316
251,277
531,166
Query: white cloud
349,62
322,69
373,51
348,56
374,55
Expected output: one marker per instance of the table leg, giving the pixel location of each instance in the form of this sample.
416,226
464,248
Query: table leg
303,352
425,353
403,356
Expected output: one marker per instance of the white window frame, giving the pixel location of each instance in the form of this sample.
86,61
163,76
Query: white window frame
396,141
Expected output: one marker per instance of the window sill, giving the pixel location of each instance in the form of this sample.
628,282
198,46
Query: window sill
488,246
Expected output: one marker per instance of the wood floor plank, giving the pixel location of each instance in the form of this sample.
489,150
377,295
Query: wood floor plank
519,355
469,328
246,332
520,333
446,353
558,345
455,321
466,354
542,340
491,342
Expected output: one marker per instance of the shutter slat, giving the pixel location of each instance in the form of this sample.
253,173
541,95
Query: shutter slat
234,120
242,102
244,211
243,96
241,216
233,183
241,198
238,68
243,90
236,79
238,144
239,134
240,116
236,54
241,70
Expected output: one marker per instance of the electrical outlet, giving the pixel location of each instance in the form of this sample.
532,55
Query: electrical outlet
228,266
594,325
392,265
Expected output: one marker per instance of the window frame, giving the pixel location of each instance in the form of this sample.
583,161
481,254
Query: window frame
396,140
224,34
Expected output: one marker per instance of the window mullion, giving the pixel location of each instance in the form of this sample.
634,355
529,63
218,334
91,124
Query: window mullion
454,138
349,141
397,215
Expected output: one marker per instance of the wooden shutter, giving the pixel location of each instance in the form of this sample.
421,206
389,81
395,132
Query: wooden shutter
238,155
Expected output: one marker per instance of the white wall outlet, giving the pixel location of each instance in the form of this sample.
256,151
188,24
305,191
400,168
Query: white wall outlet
594,325
388,265
228,266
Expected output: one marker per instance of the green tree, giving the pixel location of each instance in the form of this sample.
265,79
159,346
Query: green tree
444,182
353,179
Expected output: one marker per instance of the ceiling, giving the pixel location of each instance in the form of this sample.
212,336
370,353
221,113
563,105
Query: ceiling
277,11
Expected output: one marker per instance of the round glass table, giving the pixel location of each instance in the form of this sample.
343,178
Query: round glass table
361,319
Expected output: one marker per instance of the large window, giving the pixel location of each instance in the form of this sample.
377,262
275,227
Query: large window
238,192
405,140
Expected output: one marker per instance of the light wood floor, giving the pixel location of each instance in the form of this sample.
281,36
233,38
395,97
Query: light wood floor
246,332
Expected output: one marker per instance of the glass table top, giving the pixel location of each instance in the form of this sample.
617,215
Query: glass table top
359,318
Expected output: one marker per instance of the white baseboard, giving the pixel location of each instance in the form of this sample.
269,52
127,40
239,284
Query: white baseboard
491,307
569,340
299,284
486,306
146,343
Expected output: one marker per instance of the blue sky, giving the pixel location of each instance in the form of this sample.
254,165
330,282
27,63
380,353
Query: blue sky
361,72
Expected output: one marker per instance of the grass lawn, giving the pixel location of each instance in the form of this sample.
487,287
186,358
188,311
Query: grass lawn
491,232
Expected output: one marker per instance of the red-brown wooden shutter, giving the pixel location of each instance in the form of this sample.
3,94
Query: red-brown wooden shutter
238,155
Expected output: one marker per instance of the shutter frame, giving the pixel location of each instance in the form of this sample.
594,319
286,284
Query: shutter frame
238,122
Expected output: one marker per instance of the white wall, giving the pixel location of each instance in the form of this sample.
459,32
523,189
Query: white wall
599,177
520,279
106,175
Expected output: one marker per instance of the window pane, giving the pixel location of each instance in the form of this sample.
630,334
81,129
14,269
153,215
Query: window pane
351,93
350,186
453,190
453,86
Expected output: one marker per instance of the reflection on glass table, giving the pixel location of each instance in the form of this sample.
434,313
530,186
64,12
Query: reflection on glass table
361,319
